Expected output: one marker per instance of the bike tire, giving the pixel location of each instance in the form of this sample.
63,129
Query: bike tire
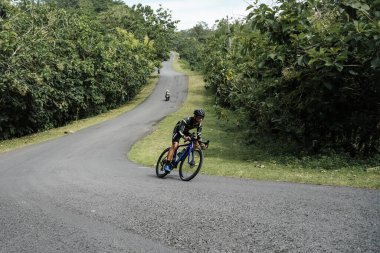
188,171
160,172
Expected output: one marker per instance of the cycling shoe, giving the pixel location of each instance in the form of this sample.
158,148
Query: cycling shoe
167,168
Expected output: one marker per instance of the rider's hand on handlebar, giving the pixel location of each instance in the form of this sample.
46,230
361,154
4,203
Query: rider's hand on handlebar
204,146
187,138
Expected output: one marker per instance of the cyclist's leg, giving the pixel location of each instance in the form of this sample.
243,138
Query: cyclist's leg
175,142
172,149
169,158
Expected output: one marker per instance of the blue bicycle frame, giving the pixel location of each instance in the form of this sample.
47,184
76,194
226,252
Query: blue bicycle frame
189,148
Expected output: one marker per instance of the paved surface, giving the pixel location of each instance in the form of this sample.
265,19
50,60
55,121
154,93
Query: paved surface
79,193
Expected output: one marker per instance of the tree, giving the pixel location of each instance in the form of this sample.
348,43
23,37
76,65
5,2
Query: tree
58,65
304,71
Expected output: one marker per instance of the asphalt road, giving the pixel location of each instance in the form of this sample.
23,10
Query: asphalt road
79,193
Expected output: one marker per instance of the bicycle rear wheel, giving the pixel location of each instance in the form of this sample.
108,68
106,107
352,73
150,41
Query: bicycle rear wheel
160,172
189,168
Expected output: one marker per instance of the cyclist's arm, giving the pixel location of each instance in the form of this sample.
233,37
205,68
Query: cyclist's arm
181,129
199,133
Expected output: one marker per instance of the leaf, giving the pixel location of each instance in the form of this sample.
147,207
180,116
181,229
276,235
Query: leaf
375,63
328,86
339,66
342,56
364,7
300,61
358,6
272,56
356,24
352,72
328,63
311,62
249,7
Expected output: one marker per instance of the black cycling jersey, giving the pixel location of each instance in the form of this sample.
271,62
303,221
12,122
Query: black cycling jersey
183,127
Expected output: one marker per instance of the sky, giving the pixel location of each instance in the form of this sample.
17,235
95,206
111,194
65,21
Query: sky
191,12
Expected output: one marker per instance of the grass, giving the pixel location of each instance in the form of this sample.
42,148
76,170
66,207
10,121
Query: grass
8,145
230,155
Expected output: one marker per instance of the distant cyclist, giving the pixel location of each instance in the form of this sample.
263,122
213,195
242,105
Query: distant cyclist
167,95
181,130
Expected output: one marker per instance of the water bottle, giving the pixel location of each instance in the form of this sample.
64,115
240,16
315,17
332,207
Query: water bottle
181,152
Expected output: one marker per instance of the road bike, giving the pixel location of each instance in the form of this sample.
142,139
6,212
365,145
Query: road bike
189,160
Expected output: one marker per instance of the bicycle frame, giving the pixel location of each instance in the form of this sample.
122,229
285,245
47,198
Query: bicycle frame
190,147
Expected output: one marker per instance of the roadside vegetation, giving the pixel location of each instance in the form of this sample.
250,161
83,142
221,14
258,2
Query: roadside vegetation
230,154
11,144
66,60
304,72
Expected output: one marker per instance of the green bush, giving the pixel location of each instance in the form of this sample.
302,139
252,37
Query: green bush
59,65
304,71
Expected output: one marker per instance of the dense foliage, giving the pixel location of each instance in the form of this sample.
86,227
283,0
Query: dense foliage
305,71
64,60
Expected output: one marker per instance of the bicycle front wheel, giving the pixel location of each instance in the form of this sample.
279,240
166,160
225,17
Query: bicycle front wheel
160,172
191,165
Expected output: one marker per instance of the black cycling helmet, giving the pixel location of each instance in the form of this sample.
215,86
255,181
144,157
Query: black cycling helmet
199,112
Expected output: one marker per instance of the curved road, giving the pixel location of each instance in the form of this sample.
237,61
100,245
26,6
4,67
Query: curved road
79,193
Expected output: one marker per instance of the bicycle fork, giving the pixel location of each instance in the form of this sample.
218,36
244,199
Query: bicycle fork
191,160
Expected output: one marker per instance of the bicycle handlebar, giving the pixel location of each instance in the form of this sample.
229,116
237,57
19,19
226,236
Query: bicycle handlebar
194,138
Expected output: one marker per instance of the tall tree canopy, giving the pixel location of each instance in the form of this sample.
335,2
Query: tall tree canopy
60,61
305,71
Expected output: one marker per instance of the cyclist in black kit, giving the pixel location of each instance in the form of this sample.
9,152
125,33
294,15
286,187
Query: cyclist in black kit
181,130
